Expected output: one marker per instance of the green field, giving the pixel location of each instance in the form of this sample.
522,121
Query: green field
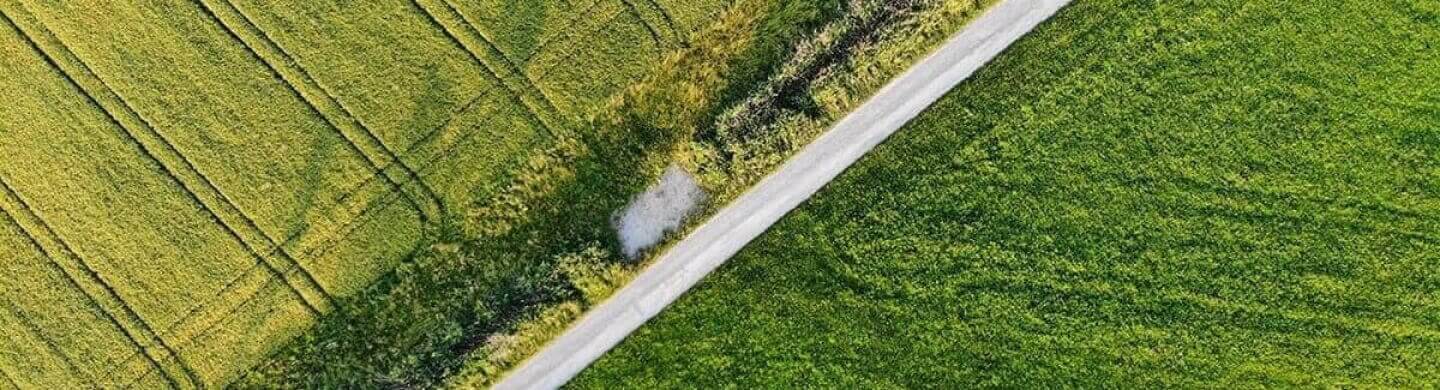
1138,194
187,186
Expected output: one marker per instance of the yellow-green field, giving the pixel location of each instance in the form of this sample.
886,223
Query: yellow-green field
187,185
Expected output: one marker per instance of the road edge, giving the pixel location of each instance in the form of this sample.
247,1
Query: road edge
729,230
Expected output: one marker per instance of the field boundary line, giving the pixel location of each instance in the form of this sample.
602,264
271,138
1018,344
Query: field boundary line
140,131
34,329
527,93
723,235
55,248
359,137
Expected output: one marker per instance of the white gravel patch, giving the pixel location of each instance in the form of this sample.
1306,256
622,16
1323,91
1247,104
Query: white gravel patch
658,211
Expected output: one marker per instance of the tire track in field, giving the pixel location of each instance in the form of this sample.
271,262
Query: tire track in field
286,70
9,379
669,22
362,217
55,248
569,53
169,329
207,329
528,94
140,131
465,108
30,326
414,147
651,9
450,151
320,100
570,24
654,34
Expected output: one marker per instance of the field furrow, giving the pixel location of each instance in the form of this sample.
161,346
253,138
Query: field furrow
176,165
41,306
13,315
607,44
100,293
489,56
141,248
520,28
280,161
9,382
655,20
323,103
689,16
410,104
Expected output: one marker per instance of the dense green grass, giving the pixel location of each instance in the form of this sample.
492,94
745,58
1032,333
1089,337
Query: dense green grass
1138,194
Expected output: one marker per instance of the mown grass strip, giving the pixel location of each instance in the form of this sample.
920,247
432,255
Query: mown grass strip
379,156
487,55
94,286
177,166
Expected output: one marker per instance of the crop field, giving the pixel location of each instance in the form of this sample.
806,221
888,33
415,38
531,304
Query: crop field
1138,194
186,185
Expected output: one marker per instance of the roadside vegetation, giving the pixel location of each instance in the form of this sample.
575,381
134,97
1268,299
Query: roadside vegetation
503,275
882,39
1139,193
